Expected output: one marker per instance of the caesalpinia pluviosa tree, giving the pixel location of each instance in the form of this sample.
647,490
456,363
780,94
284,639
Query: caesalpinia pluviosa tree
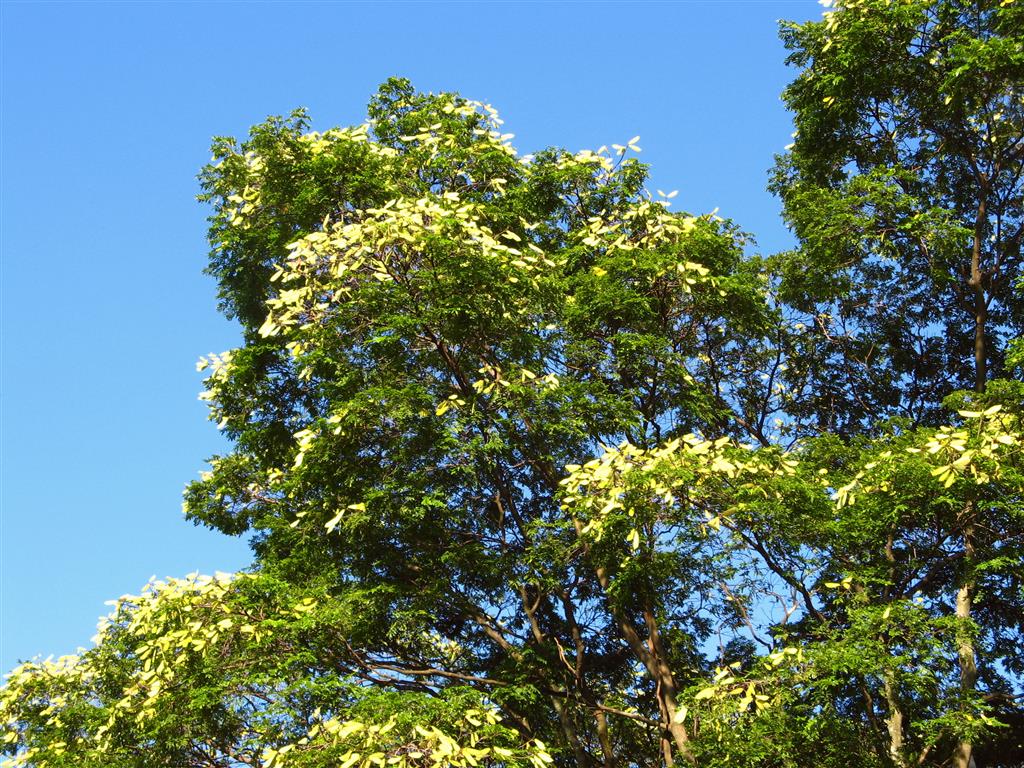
906,190
863,663
437,354
434,328
514,445
904,187
239,670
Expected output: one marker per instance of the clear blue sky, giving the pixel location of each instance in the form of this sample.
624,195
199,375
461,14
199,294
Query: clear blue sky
107,114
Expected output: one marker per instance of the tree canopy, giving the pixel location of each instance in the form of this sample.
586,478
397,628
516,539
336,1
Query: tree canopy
538,471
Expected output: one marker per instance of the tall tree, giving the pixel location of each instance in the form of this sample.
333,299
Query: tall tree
905,188
444,326
850,544
238,670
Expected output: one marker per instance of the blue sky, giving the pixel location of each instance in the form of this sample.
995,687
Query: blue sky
107,114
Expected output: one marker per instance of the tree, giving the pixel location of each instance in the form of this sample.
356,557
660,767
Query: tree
238,670
503,441
857,534
449,325
430,363
905,187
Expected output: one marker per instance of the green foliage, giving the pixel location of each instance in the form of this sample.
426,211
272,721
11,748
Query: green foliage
427,366
238,670
904,187
860,540
537,471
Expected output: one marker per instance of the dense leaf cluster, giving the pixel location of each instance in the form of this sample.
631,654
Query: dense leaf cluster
538,471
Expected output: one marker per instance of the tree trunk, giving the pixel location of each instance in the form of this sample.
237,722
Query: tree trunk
656,666
605,739
894,722
965,595
572,739
980,301
965,646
